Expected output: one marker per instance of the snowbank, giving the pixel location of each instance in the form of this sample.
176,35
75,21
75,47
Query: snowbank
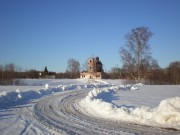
14,97
11,98
166,115
168,111
17,97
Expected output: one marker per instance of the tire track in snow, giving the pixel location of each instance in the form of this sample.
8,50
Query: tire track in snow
61,113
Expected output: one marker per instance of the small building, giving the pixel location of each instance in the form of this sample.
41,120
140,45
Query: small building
47,75
95,69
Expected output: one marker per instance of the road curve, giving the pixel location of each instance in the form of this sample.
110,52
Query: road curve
60,112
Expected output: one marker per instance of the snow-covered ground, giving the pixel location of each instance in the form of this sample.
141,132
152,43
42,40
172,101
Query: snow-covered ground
80,106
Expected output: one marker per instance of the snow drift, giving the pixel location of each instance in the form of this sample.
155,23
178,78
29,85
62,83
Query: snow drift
17,96
166,115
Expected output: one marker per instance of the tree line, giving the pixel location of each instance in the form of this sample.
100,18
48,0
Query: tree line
11,74
168,75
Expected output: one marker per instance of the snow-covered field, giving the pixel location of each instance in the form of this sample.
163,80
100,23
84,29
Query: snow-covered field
80,106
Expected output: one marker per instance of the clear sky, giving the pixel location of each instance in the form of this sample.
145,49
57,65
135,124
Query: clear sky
39,33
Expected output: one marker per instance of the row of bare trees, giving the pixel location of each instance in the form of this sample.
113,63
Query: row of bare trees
157,75
8,72
11,74
168,75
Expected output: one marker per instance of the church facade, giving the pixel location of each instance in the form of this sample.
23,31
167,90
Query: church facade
95,69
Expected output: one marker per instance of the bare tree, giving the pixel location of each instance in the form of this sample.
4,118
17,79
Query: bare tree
115,73
10,67
84,66
73,68
9,72
136,54
174,72
1,74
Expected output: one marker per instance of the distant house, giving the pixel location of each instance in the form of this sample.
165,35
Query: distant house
95,69
47,75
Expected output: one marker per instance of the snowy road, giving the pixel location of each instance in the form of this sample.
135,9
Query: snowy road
60,112
85,107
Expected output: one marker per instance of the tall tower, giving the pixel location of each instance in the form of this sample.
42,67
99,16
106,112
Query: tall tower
94,65
91,64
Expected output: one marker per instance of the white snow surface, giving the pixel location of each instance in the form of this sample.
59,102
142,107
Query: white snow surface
150,105
99,103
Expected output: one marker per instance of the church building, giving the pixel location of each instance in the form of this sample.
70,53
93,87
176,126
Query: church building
95,69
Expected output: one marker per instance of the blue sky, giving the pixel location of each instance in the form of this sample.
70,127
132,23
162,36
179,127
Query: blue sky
39,33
